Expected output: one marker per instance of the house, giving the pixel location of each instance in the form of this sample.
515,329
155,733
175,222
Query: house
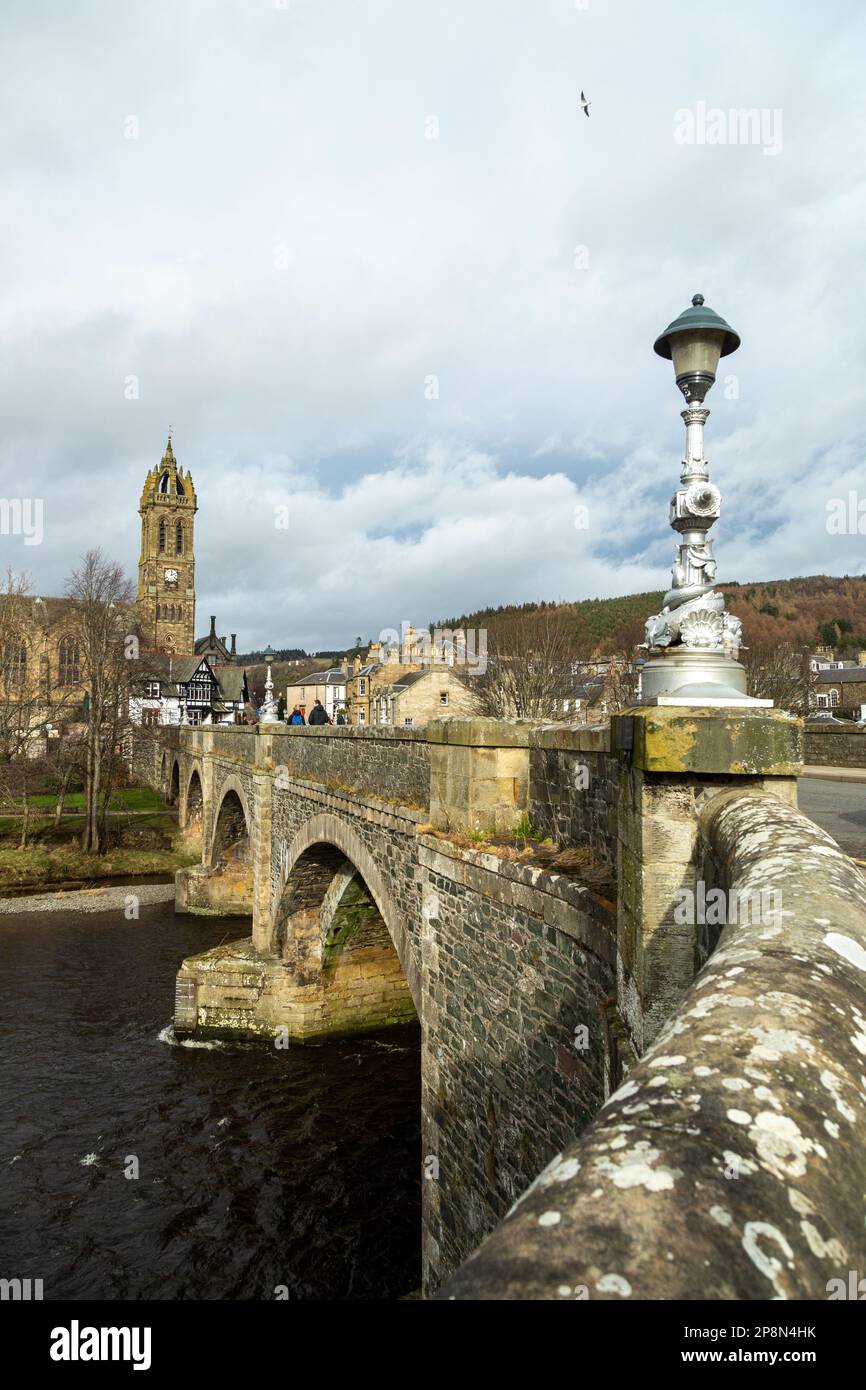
418,696
189,690
329,686
840,688
359,687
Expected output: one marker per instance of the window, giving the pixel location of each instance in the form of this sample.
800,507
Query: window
69,664
822,701
15,662
164,483
362,687
362,716
151,690
161,536
443,697
178,539
834,698
149,717
408,721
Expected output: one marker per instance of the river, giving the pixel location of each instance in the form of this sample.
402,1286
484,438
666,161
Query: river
258,1170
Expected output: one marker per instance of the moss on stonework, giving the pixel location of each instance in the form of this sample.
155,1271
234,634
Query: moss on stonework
735,741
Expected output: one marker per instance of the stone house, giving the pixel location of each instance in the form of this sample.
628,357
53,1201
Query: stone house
359,687
419,696
839,688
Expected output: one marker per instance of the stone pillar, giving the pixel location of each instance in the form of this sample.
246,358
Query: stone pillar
261,837
673,760
479,773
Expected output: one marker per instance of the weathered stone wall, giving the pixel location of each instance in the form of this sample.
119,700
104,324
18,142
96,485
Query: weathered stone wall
574,787
832,746
731,1163
378,838
391,763
677,760
516,966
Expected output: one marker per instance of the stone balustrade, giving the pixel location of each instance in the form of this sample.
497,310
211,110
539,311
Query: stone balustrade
731,1162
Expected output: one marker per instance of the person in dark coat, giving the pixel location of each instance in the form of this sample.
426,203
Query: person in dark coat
318,714
296,717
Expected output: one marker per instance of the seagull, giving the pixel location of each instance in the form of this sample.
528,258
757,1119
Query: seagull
584,105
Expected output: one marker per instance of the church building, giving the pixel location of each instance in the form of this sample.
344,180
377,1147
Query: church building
187,681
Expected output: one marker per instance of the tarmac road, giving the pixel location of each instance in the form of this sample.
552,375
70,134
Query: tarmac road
839,808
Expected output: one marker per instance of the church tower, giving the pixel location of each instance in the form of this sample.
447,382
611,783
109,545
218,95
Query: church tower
166,568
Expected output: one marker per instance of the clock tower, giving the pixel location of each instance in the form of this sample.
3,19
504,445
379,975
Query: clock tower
166,568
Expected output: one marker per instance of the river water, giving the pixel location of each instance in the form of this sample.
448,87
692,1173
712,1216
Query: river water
258,1169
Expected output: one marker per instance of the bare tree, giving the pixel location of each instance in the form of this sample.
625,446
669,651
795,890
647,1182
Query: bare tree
533,663
109,643
778,673
621,683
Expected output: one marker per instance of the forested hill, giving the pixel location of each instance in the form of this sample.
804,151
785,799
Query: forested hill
799,612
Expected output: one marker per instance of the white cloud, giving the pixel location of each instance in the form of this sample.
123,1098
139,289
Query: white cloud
300,374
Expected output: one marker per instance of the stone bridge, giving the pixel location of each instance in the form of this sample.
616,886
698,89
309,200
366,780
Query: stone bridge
515,889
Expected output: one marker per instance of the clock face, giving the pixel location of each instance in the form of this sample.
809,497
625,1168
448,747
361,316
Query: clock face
171,576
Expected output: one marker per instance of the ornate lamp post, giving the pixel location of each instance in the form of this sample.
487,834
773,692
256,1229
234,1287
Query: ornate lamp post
268,712
693,643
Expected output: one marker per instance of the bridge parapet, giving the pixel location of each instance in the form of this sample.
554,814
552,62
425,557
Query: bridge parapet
732,1158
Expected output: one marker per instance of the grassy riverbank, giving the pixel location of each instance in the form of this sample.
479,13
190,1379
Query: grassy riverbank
143,841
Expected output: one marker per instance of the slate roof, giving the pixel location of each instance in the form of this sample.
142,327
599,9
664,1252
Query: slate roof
333,676
231,681
842,673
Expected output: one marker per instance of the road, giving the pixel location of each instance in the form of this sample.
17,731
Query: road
839,808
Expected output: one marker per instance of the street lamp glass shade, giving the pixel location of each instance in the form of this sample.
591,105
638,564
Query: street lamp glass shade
696,352
694,342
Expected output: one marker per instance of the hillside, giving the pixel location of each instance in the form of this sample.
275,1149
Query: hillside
800,612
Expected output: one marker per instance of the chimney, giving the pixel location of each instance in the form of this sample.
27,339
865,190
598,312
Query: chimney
234,642
212,629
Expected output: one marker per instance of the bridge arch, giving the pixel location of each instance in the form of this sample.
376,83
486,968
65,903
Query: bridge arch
192,807
174,784
325,859
229,858
232,822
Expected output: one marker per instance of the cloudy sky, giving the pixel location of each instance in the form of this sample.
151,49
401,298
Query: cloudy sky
374,265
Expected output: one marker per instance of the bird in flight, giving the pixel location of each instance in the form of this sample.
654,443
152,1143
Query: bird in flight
584,105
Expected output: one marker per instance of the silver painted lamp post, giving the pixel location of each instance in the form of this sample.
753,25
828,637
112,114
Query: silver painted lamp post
693,643
268,712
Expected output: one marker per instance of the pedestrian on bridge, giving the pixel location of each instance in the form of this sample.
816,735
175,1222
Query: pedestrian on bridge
296,717
318,714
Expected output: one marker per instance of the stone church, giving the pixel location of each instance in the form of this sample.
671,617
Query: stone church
183,680
188,681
